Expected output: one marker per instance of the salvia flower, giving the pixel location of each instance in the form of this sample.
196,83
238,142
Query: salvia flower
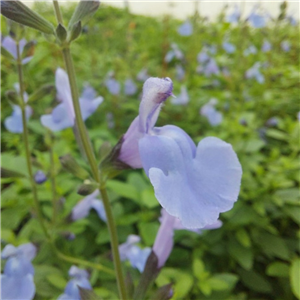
180,73
193,183
17,279
83,207
203,57
211,68
266,47
164,241
250,50
183,98
142,75
272,122
228,47
257,20
186,29
130,251
40,177
234,16
175,52
254,72
292,20
113,86
285,46
129,87
14,122
63,115
79,279
10,45
213,116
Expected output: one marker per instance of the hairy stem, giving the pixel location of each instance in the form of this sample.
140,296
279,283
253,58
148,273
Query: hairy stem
26,142
92,161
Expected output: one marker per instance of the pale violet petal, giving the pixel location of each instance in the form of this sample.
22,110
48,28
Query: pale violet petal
183,98
98,206
78,273
9,44
88,92
195,190
129,87
64,92
59,119
28,250
18,266
113,86
186,29
72,287
88,107
138,257
17,288
8,251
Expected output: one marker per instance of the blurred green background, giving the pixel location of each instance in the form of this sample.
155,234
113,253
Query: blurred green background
255,254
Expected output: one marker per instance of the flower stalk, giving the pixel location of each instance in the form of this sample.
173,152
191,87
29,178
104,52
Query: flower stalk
91,159
26,142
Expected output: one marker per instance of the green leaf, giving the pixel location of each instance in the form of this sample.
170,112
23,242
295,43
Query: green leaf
199,269
5,173
123,189
43,91
278,269
243,237
57,280
83,12
277,134
87,294
242,255
255,281
148,198
295,277
20,13
148,232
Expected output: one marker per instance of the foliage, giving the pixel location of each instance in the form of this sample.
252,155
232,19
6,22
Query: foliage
255,254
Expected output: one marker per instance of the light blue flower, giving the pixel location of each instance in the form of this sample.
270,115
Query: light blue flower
234,16
129,87
254,72
285,46
10,45
186,29
257,20
183,98
180,73
211,68
164,242
203,57
83,207
14,122
193,183
213,116
292,20
142,75
130,251
40,177
228,47
113,86
17,280
79,279
63,115
266,47
175,52
250,50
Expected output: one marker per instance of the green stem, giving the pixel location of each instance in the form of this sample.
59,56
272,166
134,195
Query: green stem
82,262
26,142
57,12
92,162
52,180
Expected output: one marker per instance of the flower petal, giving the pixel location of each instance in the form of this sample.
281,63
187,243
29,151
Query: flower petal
9,44
138,257
194,189
28,250
88,107
17,288
18,266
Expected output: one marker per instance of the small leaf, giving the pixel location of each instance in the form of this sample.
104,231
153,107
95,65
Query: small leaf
20,13
41,92
70,165
5,173
83,12
278,269
6,53
87,294
295,277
